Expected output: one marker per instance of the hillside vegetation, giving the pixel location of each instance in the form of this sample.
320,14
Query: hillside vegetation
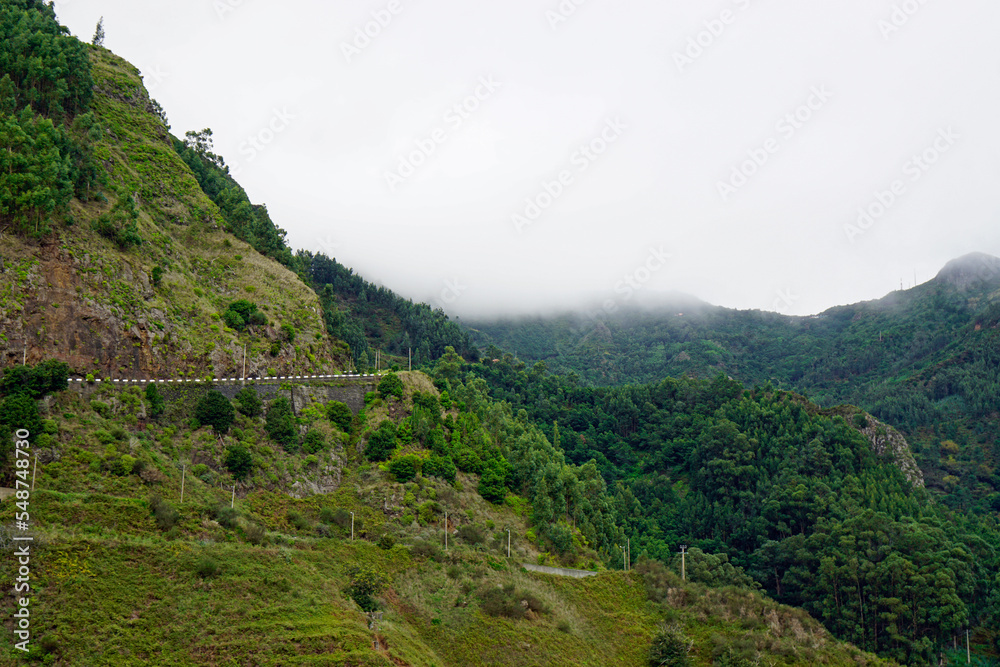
923,360
273,524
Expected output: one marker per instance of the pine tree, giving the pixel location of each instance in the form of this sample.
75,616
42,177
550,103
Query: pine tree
99,34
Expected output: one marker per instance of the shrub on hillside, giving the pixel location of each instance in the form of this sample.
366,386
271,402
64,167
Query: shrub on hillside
249,403
280,424
390,385
35,382
381,442
313,442
215,410
440,466
340,415
509,602
670,648
238,461
404,468
366,583
163,512
155,400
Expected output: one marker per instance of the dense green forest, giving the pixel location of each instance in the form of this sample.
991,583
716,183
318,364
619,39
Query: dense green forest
924,360
46,127
788,492
772,490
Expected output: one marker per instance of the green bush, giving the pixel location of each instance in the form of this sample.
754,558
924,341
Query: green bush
238,461
313,442
509,602
226,516
207,568
381,442
670,648
35,382
280,424
472,535
155,400
404,468
163,512
241,314
340,415
366,583
249,403
440,466
21,411
298,521
390,385
215,410
493,483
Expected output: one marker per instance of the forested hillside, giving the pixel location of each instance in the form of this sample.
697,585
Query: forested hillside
924,360
198,524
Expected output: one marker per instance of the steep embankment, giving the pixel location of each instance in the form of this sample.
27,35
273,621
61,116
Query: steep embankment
152,309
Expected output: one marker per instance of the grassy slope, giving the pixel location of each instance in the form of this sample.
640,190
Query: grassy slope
76,296
113,588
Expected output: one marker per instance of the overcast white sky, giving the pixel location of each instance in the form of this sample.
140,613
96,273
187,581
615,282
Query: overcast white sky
739,137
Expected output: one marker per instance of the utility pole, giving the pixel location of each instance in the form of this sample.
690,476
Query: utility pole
24,357
683,553
445,531
232,503
968,651
508,543
409,358
352,526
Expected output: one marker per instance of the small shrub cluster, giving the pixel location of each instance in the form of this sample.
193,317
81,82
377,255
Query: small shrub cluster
390,385
508,602
241,314
164,513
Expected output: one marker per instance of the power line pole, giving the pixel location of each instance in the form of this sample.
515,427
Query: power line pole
445,531
508,543
232,503
352,525
628,543
683,553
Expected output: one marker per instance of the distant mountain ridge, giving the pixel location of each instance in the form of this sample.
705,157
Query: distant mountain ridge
926,359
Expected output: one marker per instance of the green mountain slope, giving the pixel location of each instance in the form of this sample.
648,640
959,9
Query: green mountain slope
924,360
178,525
